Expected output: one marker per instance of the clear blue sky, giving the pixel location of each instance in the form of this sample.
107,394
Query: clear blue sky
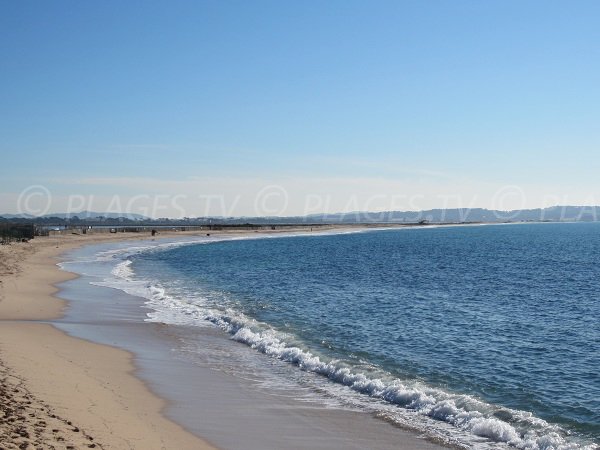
349,98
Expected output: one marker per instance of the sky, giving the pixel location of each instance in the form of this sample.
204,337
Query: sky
288,108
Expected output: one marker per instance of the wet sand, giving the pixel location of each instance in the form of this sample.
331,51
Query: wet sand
66,392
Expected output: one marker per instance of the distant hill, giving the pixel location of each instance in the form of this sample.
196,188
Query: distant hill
17,216
96,215
83,215
454,215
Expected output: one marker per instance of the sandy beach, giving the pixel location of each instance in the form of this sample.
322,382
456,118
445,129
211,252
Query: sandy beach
59,391
62,392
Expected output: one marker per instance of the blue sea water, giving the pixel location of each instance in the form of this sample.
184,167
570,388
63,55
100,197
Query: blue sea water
483,335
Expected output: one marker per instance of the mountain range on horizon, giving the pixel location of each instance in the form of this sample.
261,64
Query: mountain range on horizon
80,214
450,215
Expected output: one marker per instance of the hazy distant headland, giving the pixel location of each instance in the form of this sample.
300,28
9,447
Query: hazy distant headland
432,216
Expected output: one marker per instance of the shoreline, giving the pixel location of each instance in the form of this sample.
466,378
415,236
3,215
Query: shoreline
73,392
111,406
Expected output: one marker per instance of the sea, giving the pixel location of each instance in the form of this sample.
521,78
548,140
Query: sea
476,336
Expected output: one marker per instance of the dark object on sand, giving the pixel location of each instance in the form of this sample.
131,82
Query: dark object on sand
208,234
16,231
153,232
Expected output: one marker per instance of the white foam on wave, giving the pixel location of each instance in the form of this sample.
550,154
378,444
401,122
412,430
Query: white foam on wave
464,413
123,270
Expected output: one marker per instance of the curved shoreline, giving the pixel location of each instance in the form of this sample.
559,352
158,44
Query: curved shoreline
111,406
72,383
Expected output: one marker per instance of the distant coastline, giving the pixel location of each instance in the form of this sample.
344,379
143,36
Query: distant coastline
564,213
